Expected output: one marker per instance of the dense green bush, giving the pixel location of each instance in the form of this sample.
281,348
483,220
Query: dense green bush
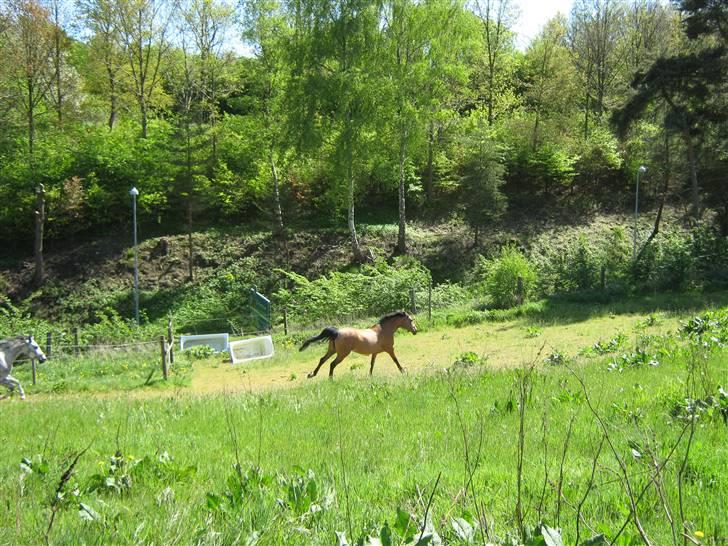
548,170
497,279
679,260
571,264
444,295
372,290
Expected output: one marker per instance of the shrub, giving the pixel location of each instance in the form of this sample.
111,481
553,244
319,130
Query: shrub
482,177
501,279
372,290
199,352
574,264
467,318
444,295
469,359
679,260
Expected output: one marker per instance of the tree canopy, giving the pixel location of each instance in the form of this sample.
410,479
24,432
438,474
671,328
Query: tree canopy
333,111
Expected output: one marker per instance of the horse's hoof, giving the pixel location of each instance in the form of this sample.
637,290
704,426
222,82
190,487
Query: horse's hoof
403,370
311,375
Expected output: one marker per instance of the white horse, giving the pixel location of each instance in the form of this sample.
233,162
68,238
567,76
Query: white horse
12,348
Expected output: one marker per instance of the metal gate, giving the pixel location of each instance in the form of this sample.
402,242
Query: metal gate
259,310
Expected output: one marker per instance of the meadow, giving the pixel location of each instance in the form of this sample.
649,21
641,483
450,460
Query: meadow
605,422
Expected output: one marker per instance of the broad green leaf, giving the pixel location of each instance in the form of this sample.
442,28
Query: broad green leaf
213,501
403,525
386,535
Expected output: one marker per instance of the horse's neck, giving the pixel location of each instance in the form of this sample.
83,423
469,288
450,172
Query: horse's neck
389,328
8,354
12,352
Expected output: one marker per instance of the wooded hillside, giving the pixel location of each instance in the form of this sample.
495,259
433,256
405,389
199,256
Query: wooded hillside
392,110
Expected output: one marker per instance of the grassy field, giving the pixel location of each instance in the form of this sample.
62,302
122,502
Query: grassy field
227,455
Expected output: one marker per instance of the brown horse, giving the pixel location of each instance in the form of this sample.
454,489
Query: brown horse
369,341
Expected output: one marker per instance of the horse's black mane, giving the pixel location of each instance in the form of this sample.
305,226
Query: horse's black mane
390,316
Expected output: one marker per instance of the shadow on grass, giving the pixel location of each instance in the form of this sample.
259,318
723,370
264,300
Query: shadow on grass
583,306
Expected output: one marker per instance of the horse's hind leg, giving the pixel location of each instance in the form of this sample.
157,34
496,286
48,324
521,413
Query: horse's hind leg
391,353
371,366
328,354
335,362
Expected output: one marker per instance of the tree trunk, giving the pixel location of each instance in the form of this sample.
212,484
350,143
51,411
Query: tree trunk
402,235
190,188
355,246
31,124
276,193
430,176
586,118
663,198
39,275
213,113
190,242
143,109
57,62
113,100
692,161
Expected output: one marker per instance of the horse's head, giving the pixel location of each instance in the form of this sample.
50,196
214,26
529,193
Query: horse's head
33,350
408,323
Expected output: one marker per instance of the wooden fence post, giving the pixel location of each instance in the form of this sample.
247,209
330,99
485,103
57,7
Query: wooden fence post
163,348
75,341
49,345
32,364
519,290
429,301
170,340
413,303
285,321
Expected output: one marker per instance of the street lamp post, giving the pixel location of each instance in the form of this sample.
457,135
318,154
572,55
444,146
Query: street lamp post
134,192
641,170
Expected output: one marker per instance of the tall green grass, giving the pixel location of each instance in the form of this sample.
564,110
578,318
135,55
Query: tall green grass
363,457
108,369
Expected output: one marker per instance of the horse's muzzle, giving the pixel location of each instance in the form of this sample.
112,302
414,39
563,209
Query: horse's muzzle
41,360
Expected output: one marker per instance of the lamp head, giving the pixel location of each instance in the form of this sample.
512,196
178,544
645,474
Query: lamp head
134,192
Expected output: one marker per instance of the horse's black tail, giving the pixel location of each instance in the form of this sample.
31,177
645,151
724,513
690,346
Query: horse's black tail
326,333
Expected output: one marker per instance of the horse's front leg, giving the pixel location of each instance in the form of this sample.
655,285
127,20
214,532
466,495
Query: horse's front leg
391,353
11,383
